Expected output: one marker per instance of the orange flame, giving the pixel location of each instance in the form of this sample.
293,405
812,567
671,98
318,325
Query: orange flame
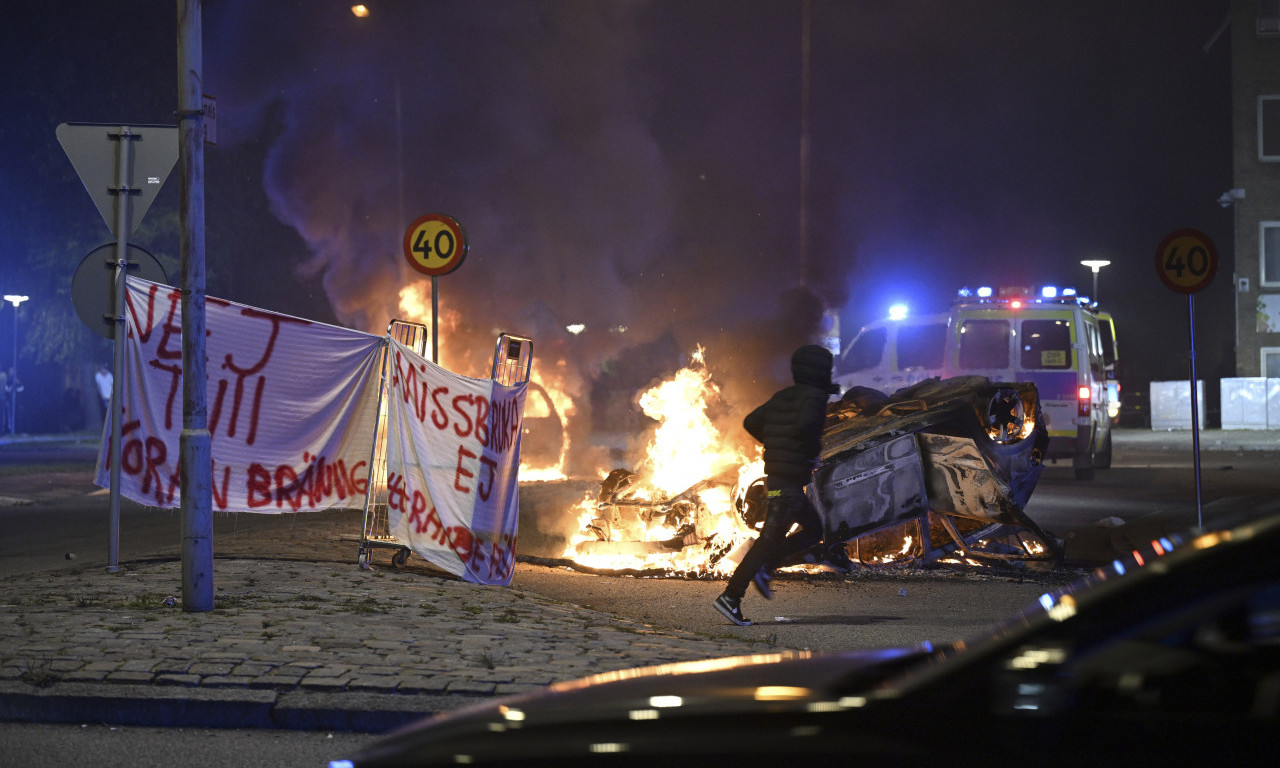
549,409
679,513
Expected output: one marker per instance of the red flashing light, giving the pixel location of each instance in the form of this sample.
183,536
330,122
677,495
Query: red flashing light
1084,393
1016,304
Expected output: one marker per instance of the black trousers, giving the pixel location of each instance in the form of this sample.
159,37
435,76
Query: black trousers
787,507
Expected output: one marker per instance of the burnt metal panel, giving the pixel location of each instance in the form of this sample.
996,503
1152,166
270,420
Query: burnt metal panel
961,482
881,484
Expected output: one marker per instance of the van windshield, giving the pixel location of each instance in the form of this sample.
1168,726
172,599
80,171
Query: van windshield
984,344
863,353
1046,344
921,346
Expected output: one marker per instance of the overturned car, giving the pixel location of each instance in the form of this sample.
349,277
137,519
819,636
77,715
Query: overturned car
942,469
937,472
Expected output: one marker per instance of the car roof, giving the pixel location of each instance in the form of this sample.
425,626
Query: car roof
1170,573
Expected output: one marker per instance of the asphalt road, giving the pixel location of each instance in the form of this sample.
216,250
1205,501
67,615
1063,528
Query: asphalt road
1150,487
51,512
105,746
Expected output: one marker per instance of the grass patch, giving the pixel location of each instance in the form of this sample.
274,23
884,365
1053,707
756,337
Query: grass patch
140,602
233,601
366,606
39,673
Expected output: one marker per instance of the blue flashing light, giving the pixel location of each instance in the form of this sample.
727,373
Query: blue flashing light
1068,292
897,311
965,293
1119,566
985,292
1049,292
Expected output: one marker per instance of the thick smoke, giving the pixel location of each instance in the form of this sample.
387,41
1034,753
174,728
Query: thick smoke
630,167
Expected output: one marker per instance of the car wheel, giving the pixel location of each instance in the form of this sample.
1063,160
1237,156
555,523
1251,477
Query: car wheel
1104,456
1085,467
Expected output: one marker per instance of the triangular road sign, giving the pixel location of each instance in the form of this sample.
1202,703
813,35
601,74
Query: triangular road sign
93,149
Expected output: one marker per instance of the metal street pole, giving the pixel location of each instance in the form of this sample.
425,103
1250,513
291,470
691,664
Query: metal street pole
13,385
1096,266
15,300
194,445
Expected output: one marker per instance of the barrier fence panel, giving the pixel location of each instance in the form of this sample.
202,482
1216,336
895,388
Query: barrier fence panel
512,359
375,531
512,363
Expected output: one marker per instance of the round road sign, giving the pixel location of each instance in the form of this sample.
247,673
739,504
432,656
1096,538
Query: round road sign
435,244
93,284
1186,260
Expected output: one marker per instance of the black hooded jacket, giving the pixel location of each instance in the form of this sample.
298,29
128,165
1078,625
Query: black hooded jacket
789,424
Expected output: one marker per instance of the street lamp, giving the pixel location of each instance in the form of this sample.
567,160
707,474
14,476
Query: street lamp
1096,265
15,300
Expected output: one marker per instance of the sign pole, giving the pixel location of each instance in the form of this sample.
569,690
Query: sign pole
122,191
1195,406
435,319
1186,261
108,178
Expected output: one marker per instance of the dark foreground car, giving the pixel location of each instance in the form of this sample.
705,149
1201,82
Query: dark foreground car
1167,657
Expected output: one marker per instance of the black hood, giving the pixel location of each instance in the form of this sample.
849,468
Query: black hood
811,364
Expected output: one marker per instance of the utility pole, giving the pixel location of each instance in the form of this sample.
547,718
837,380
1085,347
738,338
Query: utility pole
804,143
195,473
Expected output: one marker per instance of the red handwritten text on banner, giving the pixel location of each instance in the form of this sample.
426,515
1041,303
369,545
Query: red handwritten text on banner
453,446
293,406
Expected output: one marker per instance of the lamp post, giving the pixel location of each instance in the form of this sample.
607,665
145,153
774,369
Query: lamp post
1096,265
15,300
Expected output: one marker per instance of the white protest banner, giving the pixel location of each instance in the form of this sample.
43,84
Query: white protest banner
453,456
292,406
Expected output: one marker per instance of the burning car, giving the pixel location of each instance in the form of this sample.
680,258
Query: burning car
939,471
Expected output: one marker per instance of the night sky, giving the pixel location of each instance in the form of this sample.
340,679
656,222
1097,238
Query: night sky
638,165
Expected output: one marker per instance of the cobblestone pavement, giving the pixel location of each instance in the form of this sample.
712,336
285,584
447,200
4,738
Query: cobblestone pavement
80,644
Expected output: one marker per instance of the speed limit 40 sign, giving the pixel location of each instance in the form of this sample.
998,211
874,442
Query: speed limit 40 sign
435,244
1186,260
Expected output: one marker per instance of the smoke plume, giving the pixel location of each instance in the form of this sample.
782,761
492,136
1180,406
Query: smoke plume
632,171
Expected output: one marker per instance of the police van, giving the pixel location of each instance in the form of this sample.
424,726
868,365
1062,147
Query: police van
1058,342
891,354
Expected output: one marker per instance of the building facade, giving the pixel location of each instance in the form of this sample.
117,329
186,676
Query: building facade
1255,195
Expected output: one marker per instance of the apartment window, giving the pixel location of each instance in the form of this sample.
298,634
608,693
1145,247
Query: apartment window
1269,129
1269,252
1271,362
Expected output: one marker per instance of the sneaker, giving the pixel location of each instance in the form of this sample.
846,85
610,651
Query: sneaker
732,610
761,580
837,558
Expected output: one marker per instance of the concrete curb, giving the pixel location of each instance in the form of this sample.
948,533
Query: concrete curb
145,705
